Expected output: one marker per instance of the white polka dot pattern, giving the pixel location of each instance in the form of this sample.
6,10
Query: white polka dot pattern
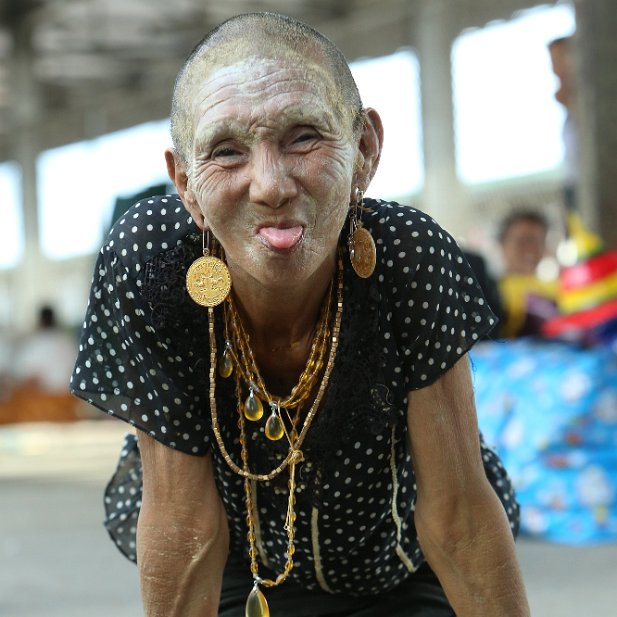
430,311
125,366
437,308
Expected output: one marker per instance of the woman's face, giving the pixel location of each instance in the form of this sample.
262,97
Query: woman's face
273,165
523,247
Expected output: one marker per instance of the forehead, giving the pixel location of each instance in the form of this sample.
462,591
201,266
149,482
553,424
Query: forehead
258,46
240,73
525,228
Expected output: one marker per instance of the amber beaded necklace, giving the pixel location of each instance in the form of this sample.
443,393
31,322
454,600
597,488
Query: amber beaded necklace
244,361
247,370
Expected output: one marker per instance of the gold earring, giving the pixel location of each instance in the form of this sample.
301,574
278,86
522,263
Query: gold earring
208,281
362,250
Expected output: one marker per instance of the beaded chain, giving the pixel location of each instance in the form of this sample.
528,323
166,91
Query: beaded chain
245,362
295,445
256,603
250,522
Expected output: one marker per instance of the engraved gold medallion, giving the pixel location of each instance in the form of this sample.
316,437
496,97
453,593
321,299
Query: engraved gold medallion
208,281
364,254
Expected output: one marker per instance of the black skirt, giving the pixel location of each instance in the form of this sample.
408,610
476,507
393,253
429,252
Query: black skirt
421,595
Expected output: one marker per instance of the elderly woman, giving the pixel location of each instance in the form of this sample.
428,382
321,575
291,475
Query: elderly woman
307,437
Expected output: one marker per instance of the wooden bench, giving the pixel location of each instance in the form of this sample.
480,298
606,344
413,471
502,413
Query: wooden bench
31,404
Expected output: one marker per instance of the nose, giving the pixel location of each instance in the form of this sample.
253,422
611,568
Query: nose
271,183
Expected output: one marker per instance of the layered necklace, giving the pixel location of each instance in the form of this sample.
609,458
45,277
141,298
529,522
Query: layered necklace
283,419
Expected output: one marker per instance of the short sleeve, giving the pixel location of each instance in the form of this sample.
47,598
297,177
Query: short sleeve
440,309
128,368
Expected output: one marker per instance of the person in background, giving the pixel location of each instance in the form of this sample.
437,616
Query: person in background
44,360
562,63
6,362
293,357
583,242
526,300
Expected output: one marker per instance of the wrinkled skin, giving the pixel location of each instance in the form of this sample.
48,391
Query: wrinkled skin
273,147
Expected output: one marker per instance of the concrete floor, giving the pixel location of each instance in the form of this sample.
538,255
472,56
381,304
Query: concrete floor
57,561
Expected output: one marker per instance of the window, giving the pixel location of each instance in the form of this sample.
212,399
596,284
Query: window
390,84
12,228
79,183
507,121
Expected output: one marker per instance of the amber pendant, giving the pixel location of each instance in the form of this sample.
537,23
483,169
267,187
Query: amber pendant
226,366
274,427
253,408
208,281
256,605
363,255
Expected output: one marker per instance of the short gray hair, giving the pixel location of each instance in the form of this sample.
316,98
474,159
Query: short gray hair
269,30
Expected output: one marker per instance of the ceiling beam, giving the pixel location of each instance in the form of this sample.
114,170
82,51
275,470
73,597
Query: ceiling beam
141,93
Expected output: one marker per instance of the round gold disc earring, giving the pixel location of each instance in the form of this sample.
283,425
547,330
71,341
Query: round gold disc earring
208,281
362,250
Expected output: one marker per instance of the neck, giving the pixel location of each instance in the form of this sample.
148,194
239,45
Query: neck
282,317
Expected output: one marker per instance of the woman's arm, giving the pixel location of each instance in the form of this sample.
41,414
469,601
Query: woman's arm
461,524
182,533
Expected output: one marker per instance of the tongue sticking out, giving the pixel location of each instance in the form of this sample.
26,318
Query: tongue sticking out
281,238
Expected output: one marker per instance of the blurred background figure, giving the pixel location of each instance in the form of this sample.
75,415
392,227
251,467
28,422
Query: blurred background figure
5,363
522,238
581,242
561,55
36,387
527,300
44,359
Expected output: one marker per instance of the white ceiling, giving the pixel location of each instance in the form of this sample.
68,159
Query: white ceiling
72,69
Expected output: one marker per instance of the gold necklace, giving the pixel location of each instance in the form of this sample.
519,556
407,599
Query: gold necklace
244,361
256,604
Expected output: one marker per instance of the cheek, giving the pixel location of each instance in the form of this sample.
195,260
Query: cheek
213,192
210,180
333,174
337,181
204,186
331,186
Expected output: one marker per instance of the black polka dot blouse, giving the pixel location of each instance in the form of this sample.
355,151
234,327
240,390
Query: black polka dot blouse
144,357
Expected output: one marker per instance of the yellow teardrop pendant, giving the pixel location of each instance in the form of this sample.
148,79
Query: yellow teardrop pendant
226,366
256,605
253,409
274,427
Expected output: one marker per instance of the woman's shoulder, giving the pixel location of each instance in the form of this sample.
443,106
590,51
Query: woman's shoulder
150,227
390,219
406,236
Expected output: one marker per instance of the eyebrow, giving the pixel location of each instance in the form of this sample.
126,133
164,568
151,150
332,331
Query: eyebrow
218,129
293,115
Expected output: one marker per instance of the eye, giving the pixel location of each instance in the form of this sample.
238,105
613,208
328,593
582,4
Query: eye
224,152
303,137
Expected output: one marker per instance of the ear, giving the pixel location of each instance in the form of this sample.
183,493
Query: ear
369,148
177,174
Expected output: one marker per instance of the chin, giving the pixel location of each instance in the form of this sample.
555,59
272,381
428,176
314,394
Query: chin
286,270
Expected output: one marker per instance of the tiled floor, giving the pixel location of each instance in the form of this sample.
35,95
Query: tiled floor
57,561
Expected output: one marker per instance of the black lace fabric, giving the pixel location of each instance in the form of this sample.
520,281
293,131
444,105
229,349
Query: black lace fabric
163,286
145,358
123,499
356,400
